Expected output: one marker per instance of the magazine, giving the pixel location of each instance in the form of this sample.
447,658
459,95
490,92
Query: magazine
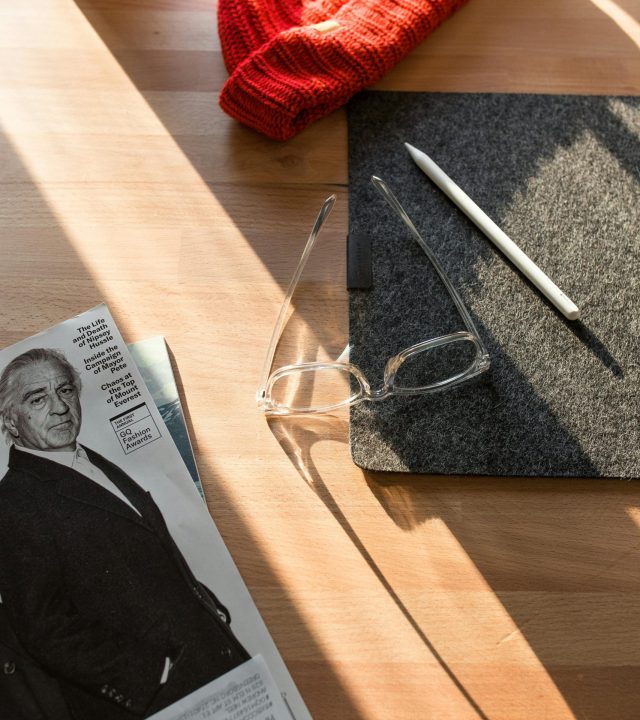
118,597
152,358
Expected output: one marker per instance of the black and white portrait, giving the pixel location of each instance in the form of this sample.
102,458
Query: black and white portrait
96,596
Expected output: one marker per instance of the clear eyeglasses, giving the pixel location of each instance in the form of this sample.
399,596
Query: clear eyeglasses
428,366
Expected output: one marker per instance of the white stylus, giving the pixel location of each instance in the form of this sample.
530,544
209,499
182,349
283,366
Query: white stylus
493,232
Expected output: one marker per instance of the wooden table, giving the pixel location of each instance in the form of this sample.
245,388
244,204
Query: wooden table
391,597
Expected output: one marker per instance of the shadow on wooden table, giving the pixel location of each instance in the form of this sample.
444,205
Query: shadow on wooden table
561,557
297,438
58,284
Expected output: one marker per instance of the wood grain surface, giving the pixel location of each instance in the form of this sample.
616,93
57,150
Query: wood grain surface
390,597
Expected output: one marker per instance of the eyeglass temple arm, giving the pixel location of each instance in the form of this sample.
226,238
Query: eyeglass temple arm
282,315
386,193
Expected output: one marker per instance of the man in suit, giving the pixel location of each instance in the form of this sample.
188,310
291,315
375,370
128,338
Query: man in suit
95,588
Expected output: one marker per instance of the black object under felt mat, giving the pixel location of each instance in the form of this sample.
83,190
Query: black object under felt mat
561,176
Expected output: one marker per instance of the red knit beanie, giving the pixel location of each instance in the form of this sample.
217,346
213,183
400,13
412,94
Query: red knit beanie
294,61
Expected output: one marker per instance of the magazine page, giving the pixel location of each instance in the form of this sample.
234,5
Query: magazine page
152,359
118,596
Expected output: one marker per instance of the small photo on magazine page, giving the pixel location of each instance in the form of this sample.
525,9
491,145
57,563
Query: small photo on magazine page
152,359
118,597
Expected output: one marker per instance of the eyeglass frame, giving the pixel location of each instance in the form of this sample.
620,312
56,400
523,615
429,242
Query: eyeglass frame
479,365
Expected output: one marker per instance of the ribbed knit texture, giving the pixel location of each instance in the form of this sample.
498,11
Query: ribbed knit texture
285,73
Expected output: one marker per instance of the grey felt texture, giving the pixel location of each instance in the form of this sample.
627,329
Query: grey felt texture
561,176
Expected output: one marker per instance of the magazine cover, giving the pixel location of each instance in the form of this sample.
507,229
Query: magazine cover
118,597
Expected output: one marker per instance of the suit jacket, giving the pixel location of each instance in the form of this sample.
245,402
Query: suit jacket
26,691
100,595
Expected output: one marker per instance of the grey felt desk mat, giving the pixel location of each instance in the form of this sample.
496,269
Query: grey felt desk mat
561,176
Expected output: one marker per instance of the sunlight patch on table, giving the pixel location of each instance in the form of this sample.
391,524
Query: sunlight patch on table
626,22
